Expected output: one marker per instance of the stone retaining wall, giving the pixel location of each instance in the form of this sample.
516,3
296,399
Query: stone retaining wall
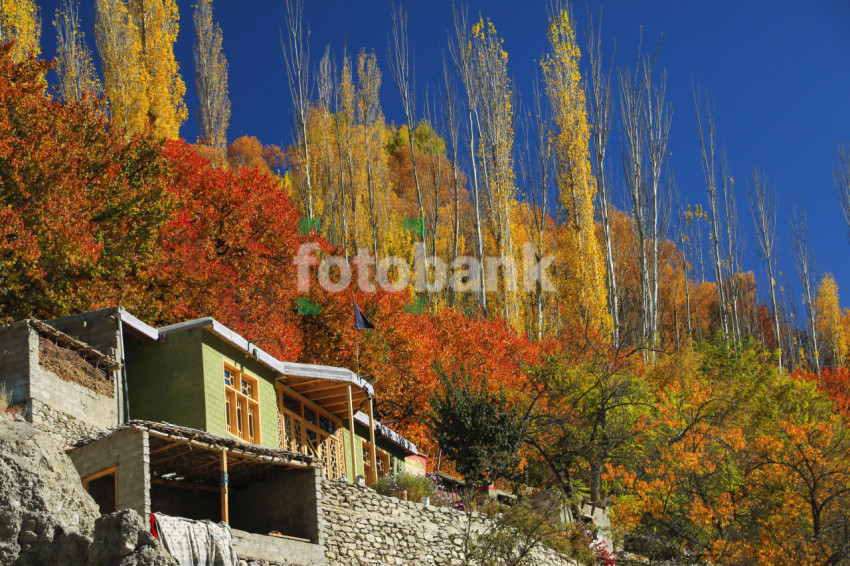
364,528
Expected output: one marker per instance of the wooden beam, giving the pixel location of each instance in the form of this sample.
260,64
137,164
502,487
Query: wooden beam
372,444
225,495
304,390
184,484
304,382
330,394
351,430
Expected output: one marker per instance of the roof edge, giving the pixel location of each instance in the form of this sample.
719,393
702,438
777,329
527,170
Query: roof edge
284,368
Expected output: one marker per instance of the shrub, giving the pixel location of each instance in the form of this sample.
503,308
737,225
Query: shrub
416,486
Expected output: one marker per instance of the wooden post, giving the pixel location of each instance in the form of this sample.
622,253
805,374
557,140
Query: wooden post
351,425
372,443
225,496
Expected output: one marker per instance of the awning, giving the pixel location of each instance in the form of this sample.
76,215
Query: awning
190,457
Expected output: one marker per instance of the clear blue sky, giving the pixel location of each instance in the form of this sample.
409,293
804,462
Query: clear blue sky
779,72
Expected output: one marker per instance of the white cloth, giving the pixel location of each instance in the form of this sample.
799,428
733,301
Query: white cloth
196,543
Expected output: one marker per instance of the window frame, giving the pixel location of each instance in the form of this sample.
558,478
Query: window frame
113,471
238,401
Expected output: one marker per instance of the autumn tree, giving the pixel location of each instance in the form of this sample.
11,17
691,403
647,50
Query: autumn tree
599,105
405,80
296,54
81,207
74,65
829,324
371,120
762,200
135,41
805,268
121,61
536,165
841,178
460,47
706,132
587,418
211,77
584,285
20,22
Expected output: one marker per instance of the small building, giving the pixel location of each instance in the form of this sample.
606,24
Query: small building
57,382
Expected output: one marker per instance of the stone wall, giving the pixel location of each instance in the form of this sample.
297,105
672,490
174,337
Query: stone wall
64,428
364,528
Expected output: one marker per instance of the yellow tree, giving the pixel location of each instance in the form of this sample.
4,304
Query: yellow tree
74,65
157,21
120,49
490,62
20,21
135,41
829,320
211,77
583,282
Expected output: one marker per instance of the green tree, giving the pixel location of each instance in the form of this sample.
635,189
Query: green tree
478,429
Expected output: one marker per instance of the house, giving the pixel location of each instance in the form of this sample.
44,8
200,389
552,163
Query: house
203,423
202,375
62,384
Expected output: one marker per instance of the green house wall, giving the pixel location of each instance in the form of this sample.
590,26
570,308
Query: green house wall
180,380
216,353
163,379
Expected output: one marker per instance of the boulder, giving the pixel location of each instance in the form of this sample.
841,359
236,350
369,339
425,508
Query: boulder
46,517
121,539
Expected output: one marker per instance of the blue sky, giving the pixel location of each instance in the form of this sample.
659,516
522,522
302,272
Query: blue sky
779,72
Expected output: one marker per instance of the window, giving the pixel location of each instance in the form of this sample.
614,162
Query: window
103,488
241,405
382,458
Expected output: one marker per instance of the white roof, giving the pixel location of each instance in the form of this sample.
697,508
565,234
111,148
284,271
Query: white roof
283,368
387,433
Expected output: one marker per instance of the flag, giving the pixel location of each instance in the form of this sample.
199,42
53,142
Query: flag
360,320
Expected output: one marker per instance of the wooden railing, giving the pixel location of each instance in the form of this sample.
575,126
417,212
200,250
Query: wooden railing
298,435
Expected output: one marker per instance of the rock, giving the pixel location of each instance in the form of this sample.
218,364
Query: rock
121,539
46,517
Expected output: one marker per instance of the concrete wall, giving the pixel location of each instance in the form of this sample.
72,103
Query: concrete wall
18,350
129,450
255,548
289,502
215,353
65,408
362,527
166,380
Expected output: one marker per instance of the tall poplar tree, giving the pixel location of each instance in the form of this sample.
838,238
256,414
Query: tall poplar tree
74,65
20,21
135,41
584,285
211,77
